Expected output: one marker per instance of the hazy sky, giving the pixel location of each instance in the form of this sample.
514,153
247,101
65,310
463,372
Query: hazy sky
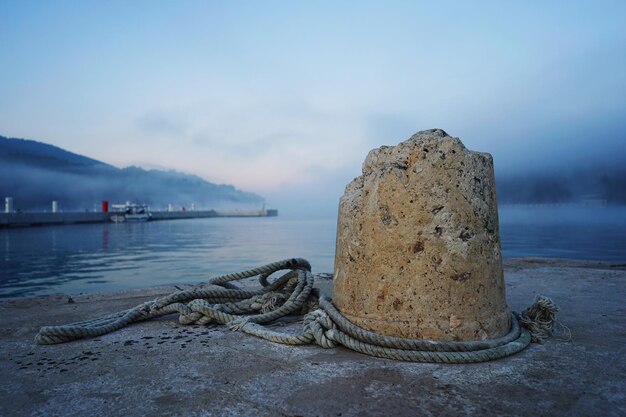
286,98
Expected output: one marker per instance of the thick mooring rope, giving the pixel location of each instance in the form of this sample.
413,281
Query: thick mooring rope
323,324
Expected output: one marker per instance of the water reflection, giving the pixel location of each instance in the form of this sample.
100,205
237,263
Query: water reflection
576,232
87,258
99,257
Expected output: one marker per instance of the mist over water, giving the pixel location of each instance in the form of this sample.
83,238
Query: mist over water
564,231
105,257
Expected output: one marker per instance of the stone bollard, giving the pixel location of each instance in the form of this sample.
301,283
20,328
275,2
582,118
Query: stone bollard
418,248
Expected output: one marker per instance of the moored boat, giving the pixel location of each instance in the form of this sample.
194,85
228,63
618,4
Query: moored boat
130,213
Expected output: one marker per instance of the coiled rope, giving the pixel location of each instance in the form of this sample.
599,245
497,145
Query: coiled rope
323,324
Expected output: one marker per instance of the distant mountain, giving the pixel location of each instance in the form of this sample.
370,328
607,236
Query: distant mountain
35,173
565,185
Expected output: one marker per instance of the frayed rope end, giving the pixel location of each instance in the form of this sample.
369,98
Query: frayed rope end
540,318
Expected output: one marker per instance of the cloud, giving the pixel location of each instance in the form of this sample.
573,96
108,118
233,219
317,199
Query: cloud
160,124
291,98
260,143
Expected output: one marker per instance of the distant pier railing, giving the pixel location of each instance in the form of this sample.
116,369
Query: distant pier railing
26,219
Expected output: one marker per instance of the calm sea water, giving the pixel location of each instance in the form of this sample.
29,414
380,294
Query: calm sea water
102,257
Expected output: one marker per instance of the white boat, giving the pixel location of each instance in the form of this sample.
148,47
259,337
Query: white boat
130,213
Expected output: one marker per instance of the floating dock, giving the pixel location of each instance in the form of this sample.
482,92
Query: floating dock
60,218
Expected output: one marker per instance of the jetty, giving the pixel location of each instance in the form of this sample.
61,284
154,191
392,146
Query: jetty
26,219
161,367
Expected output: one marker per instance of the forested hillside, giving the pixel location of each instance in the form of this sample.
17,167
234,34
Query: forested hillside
35,173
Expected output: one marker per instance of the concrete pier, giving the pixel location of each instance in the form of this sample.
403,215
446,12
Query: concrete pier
60,218
163,368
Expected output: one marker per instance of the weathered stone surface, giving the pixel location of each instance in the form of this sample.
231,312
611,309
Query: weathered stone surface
418,249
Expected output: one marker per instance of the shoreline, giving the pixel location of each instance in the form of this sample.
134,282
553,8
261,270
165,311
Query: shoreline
510,264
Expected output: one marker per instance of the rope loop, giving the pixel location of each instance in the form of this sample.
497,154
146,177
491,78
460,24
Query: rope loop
317,323
246,311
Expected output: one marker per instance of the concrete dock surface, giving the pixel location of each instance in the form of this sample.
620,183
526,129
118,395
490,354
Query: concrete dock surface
163,368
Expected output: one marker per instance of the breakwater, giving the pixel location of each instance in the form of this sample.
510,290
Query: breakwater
61,218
